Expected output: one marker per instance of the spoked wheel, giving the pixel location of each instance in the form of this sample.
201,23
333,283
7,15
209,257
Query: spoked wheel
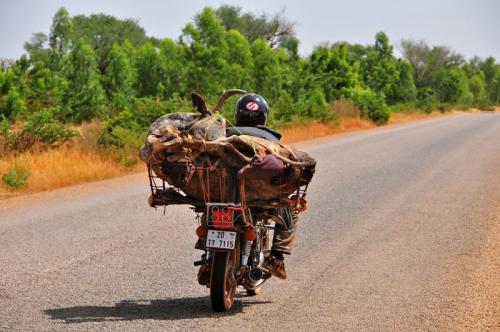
223,284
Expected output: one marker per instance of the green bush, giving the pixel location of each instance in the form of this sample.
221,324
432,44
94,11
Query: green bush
5,126
144,111
426,100
16,177
122,142
315,106
283,109
372,105
444,107
485,106
12,104
124,133
41,128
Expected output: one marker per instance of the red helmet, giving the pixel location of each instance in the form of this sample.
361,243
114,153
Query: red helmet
251,110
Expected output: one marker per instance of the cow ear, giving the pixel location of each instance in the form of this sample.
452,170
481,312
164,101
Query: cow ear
200,104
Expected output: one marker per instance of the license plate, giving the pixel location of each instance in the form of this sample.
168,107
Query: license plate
221,239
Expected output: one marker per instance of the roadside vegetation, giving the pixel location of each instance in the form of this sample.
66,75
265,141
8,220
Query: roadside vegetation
76,106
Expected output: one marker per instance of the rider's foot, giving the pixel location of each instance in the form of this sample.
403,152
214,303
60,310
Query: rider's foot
275,266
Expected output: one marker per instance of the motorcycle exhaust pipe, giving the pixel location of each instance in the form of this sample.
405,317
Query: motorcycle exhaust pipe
247,248
255,274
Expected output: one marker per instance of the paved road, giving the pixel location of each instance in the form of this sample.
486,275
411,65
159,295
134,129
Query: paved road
402,233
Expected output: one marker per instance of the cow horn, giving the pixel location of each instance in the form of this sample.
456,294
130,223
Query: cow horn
200,104
225,95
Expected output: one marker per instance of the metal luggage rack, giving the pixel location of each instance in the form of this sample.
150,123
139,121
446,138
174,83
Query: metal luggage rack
163,194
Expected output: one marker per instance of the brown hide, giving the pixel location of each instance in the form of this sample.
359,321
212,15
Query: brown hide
190,152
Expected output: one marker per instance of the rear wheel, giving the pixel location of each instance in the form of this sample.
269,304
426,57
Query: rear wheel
223,284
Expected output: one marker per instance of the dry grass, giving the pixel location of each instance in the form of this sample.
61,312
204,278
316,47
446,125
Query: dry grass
350,120
61,167
401,117
345,109
301,132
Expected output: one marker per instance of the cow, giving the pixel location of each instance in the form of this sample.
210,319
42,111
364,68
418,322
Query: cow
191,152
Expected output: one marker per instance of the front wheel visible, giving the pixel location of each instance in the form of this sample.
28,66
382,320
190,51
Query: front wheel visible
222,282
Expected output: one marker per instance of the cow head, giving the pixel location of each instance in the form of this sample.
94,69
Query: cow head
167,132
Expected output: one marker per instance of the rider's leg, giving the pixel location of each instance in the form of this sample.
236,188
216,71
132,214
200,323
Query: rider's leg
283,241
284,235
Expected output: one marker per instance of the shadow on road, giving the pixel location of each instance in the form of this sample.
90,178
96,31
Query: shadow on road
169,309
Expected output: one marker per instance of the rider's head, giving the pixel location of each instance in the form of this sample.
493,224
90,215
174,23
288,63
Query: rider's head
251,110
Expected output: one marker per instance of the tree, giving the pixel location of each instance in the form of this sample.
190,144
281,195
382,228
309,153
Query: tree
291,45
404,89
44,88
148,68
240,70
206,52
279,27
275,29
382,46
12,105
37,48
174,74
59,39
477,88
491,72
313,105
448,85
102,31
268,72
120,77
379,69
371,104
2,79
426,60
84,96
329,68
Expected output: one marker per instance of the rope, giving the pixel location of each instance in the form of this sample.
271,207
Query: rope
202,184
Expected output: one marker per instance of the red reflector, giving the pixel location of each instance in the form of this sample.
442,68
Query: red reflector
222,218
201,231
250,235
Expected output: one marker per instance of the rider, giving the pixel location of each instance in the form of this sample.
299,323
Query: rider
251,113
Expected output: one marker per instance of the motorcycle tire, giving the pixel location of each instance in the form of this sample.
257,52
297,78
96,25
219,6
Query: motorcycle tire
222,282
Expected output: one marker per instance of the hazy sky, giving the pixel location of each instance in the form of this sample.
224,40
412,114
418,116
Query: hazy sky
469,27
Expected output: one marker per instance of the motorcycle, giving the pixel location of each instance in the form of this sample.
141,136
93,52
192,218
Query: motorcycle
236,242
236,238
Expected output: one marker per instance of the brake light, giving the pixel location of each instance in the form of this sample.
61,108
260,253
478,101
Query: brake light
221,217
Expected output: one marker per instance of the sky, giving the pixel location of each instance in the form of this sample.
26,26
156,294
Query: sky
468,27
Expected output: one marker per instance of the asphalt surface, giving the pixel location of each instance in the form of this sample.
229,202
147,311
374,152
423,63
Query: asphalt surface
402,233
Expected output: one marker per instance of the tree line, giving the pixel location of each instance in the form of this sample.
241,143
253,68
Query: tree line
102,67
